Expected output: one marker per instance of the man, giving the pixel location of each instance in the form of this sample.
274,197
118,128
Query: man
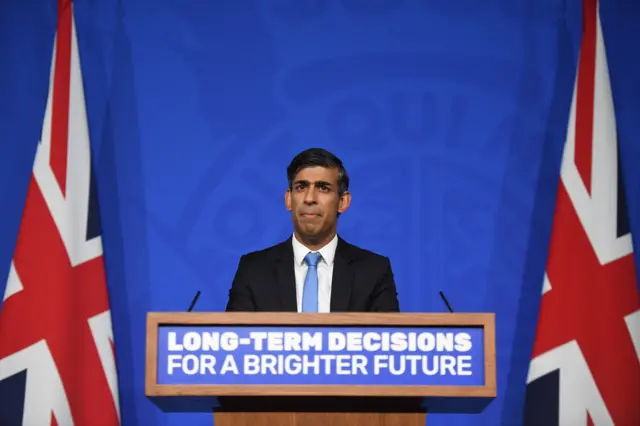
315,270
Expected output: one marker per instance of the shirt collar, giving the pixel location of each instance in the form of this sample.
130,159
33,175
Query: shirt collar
327,252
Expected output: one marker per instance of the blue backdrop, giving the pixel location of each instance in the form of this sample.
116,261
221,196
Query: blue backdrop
449,115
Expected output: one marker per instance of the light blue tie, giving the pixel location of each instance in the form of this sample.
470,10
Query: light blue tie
310,292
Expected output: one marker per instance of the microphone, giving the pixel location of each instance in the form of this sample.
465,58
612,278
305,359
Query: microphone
193,302
446,301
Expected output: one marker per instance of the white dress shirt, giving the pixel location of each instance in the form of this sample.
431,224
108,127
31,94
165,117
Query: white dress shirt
325,272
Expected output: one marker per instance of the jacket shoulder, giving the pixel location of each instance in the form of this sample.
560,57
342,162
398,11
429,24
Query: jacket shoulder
360,254
267,253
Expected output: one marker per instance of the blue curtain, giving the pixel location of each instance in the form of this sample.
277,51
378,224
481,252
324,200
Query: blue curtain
449,115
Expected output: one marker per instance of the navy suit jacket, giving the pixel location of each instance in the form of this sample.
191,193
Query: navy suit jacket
265,281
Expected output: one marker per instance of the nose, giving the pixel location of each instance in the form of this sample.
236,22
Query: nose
310,195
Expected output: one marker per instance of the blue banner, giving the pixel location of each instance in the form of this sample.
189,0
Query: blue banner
311,355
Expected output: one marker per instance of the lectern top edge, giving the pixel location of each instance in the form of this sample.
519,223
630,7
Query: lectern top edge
338,319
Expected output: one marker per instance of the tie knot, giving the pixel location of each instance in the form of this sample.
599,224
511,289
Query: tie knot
312,259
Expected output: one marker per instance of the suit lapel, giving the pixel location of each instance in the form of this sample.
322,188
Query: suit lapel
285,277
342,278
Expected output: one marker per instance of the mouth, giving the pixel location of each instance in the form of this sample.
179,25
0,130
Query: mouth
309,215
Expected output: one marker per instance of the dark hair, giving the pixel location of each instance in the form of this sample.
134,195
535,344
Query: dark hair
318,157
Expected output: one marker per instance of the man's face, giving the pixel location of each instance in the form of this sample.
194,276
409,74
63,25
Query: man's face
314,203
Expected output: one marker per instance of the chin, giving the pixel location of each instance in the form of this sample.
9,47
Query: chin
311,231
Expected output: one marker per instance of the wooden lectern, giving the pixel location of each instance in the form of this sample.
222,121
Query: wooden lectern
338,404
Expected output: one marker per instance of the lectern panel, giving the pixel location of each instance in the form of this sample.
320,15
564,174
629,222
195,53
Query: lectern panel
314,355
218,354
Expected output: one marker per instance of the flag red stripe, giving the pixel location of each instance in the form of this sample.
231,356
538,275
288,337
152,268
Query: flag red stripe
113,348
585,93
588,302
60,103
58,299
56,303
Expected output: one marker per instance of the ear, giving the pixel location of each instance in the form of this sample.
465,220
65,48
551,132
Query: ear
345,202
287,199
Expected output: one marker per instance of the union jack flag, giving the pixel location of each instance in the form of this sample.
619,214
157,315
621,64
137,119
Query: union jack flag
57,358
585,368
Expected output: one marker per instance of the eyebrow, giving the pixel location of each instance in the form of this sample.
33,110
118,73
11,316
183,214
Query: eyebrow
306,182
